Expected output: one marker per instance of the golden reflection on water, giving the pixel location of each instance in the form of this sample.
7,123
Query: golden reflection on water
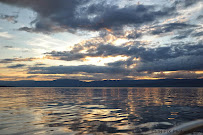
93,110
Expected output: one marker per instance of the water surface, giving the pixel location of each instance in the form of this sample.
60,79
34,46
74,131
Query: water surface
27,111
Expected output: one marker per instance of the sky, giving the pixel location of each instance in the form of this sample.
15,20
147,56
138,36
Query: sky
101,40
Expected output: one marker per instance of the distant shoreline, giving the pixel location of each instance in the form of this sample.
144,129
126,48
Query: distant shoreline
101,87
106,83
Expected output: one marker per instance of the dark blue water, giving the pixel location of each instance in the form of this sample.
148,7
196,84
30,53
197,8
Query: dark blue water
97,110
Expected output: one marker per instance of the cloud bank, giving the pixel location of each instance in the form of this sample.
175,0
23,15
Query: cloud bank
152,37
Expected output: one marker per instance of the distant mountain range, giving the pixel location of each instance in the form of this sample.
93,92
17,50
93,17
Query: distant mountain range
106,83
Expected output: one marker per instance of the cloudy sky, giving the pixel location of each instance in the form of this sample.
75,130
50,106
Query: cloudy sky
98,40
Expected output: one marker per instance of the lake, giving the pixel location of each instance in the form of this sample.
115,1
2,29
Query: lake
119,111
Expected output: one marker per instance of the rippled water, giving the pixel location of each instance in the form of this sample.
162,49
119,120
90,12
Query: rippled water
97,110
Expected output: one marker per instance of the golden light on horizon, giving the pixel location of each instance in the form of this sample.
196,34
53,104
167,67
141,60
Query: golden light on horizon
199,72
100,67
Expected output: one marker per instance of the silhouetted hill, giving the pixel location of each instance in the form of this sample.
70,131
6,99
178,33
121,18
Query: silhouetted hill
106,83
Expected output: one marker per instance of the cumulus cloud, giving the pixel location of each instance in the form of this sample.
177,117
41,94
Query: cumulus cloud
178,56
171,58
94,50
134,50
55,16
134,23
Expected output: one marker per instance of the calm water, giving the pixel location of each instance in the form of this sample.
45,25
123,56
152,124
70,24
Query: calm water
96,110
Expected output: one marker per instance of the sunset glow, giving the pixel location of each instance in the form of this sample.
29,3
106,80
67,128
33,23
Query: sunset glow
135,39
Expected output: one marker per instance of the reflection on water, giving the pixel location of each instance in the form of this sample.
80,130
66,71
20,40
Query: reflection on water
97,110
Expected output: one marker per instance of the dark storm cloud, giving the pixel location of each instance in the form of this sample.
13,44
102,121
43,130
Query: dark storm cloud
16,66
172,58
55,16
134,50
179,56
9,18
172,64
113,16
187,63
76,69
94,50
